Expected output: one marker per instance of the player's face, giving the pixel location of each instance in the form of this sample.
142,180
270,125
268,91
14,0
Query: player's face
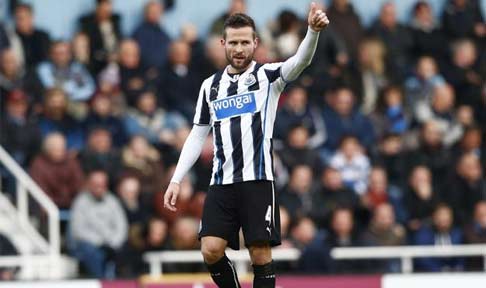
240,45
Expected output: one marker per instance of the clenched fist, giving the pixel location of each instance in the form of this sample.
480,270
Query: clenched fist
317,18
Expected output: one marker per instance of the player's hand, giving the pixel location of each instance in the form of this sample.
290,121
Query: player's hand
170,196
317,18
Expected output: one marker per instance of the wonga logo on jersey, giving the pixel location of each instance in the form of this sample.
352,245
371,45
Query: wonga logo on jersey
234,105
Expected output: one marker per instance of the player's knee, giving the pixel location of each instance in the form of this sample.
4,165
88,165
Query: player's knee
260,253
212,251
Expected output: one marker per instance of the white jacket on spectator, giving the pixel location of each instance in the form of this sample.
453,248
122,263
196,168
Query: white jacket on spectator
98,221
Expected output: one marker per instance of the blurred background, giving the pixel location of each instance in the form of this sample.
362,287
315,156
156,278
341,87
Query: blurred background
380,142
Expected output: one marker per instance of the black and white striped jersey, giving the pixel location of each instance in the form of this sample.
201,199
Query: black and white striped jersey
241,109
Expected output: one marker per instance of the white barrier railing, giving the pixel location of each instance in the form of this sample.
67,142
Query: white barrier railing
407,253
241,258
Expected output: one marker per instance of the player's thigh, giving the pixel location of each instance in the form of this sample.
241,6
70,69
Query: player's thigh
259,213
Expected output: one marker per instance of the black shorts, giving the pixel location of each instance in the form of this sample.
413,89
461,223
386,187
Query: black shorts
248,205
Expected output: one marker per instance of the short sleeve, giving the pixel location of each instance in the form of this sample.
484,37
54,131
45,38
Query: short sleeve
202,116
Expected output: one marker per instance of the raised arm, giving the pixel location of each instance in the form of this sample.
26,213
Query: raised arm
293,66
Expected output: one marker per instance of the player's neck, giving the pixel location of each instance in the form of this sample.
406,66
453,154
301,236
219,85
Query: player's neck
233,70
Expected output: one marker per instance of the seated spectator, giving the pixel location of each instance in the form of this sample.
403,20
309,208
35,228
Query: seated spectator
19,134
463,19
143,161
11,76
101,115
471,142
465,188
420,86
34,43
57,173
151,37
463,72
236,6
296,197
353,164
157,125
7,249
98,227
340,118
303,232
391,154
316,256
440,109
380,192
80,48
180,83
297,150
440,233
384,231
287,36
298,111
104,32
99,154
55,118
215,56
390,115
285,222
475,233
62,72
189,203
184,236
427,36
420,198
333,194
397,39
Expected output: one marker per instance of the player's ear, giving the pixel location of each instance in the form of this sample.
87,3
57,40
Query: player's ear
256,41
223,41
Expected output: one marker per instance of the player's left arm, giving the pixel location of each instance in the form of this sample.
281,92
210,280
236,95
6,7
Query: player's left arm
293,66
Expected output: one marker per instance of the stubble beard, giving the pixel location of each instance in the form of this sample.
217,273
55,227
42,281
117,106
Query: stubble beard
241,66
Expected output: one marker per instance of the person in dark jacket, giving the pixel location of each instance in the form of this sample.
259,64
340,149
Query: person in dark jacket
475,233
151,37
463,19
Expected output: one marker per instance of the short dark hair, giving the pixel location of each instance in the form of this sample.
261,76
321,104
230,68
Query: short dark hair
24,6
239,20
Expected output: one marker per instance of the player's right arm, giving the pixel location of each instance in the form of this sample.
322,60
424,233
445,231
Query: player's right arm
191,149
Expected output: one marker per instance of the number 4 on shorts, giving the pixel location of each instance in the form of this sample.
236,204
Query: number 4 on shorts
268,215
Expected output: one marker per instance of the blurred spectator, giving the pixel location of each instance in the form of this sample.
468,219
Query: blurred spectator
31,45
157,235
466,187
57,173
103,29
431,152
157,125
180,83
420,86
333,194
54,118
99,154
133,78
101,115
347,24
98,226
297,151
236,6
297,196
7,249
390,115
369,73
62,72
141,159
340,119
428,38
475,233
440,233
380,192
80,49
397,39
353,164
384,231
463,72
298,111
316,256
151,37
285,222
4,41
11,75
184,236
189,203
462,18
420,198
392,156
19,134
440,109
471,142
303,232
215,55
287,39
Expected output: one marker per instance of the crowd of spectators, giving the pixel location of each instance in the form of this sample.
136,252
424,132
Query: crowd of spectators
382,140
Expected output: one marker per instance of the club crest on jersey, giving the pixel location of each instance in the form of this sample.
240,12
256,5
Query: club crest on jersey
234,105
250,80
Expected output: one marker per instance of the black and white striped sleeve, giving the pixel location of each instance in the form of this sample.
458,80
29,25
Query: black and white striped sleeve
202,115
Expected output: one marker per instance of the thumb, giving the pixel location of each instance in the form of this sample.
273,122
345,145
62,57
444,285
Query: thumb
313,8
